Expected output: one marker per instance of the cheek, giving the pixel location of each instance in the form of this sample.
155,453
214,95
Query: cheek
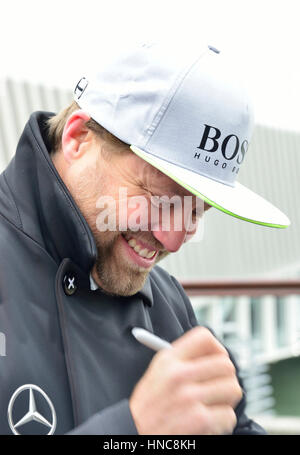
134,214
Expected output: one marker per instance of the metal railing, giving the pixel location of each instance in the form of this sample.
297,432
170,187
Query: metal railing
266,311
253,288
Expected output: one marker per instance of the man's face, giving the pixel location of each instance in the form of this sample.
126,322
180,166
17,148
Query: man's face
127,251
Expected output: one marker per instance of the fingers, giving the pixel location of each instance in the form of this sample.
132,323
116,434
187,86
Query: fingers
221,391
209,367
197,342
206,366
217,420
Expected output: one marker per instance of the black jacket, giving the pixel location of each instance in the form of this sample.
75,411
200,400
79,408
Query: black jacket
72,342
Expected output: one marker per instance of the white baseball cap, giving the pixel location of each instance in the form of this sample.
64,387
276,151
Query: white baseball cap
183,109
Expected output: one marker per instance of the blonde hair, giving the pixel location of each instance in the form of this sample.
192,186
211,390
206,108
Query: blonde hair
57,123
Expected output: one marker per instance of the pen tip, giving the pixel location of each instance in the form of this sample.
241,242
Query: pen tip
134,331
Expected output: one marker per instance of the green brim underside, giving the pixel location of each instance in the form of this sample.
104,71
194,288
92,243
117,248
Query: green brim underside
196,193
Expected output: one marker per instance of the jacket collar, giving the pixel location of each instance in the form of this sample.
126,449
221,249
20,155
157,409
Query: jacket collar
46,209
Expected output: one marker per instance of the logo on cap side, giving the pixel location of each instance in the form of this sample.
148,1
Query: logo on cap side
80,87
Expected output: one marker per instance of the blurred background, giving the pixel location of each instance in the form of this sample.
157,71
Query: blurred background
243,279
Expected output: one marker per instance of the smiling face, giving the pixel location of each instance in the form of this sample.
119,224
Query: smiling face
128,252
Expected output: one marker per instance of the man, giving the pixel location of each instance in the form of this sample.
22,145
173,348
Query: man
158,122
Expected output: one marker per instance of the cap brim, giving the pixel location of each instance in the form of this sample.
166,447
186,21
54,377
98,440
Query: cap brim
237,201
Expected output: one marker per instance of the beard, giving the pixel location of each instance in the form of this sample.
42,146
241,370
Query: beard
113,271
116,274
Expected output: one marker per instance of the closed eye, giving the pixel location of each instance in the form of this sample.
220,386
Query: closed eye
161,201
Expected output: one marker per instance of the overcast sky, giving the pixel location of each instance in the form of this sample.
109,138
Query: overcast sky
53,41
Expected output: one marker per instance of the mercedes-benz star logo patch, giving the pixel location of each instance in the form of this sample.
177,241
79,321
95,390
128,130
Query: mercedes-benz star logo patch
32,414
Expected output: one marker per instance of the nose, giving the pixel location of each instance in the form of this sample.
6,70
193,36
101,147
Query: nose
171,240
177,231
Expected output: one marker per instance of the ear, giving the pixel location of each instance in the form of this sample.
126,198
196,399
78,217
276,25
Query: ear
74,134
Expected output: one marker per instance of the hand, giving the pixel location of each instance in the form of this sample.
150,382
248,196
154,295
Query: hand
190,389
